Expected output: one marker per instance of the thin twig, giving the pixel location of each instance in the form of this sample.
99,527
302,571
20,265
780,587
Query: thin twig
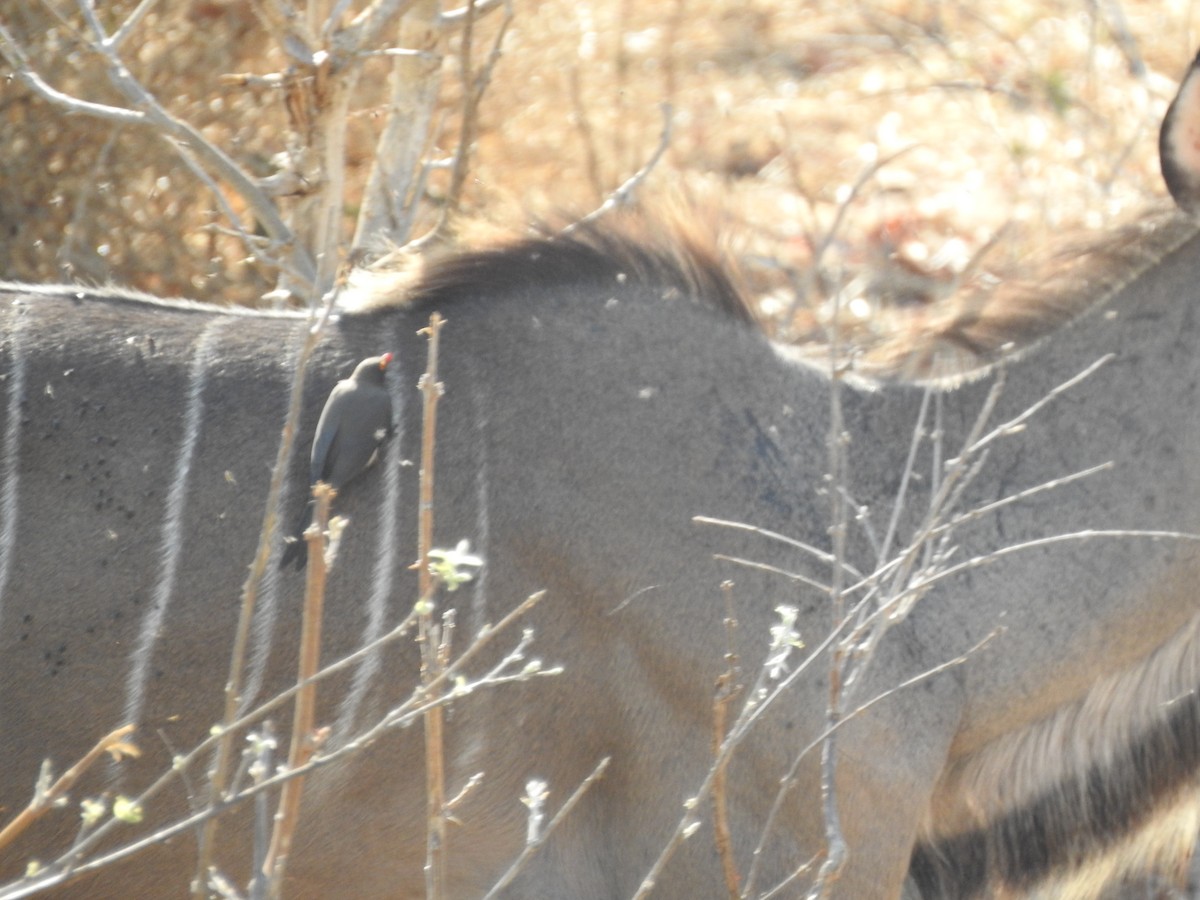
470,112
261,768
976,562
980,511
949,481
16,58
838,673
432,658
454,18
72,236
260,249
531,847
843,209
756,706
820,554
774,570
918,433
156,114
473,91
788,782
728,689
1014,425
623,194
114,743
413,711
127,27
302,744
843,627
365,28
223,756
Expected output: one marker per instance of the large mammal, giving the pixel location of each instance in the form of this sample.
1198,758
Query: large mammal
602,392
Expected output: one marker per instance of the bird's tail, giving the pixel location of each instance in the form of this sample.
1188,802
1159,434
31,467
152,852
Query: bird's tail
295,546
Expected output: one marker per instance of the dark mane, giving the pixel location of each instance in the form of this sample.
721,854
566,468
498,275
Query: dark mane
631,252
963,335
951,340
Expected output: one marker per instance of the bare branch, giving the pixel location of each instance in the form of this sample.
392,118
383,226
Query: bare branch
839,218
729,687
532,846
70,251
395,183
411,711
774,570
264,250
788,782
230,721
45,798
16,58
285,26
147,111
820,554
366,27
456,17
1018,423
303,743
473,91
135,18
433,661
918,433
335,16
624,194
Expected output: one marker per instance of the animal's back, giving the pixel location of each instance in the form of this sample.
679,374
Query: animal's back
598,398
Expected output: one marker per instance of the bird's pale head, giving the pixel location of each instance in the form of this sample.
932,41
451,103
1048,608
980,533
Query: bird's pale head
372,368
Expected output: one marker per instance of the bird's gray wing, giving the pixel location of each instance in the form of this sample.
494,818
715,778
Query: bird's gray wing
364,416
325,442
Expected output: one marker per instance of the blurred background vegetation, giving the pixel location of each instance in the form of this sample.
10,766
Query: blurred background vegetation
1040,114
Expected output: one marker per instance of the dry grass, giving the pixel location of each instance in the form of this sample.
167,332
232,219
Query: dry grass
1031,113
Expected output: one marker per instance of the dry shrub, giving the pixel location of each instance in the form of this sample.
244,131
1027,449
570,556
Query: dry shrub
1037,113
83,199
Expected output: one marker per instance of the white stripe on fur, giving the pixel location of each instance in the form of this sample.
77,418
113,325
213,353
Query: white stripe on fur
171,546
10,451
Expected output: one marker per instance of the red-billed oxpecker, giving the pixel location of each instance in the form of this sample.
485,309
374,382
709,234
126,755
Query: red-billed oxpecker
356,420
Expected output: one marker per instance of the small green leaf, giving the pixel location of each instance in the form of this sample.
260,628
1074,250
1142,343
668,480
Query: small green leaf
125,810
91,810
450,567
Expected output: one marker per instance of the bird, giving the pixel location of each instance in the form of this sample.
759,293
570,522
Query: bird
1179,143
355,422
